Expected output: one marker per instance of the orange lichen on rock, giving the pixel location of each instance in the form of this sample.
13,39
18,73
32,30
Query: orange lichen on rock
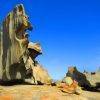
70,86
6,97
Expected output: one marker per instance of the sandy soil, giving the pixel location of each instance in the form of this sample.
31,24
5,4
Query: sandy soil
32,92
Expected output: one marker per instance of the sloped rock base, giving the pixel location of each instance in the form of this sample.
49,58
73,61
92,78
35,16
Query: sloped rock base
30,92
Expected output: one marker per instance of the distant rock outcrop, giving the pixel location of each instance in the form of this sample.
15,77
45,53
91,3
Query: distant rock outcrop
90,81
78,76
94,79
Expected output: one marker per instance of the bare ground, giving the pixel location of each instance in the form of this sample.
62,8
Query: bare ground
33,92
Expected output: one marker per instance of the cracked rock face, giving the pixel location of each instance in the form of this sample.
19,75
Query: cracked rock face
13,44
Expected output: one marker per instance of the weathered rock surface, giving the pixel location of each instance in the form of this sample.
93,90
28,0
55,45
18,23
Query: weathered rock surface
41,75
70,86
78,76
17,54
90,81
13,44
94,79
30,92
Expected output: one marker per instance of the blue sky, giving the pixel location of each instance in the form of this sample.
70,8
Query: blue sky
68,30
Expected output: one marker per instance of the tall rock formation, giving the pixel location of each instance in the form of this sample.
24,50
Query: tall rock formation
17,56
13,44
